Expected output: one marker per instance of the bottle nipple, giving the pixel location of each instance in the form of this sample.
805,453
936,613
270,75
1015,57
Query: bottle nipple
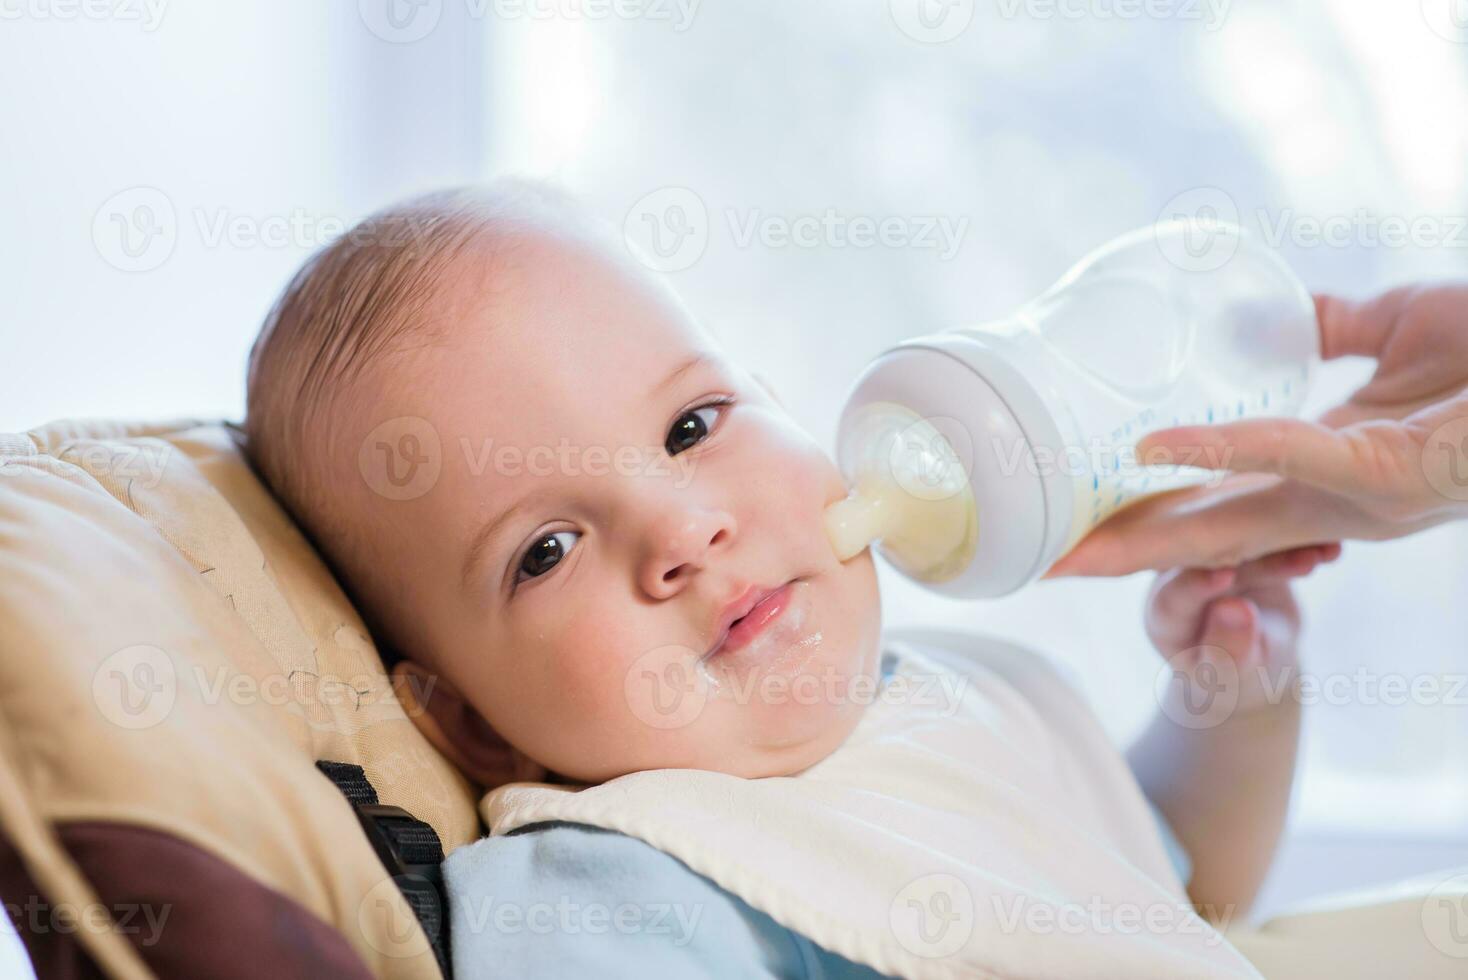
911,493
859,519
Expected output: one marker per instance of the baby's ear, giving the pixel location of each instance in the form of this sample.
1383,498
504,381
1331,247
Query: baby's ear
457,730
765,384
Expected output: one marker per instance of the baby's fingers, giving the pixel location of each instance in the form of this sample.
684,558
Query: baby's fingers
1233,624
1285,565
1186,590
1177,602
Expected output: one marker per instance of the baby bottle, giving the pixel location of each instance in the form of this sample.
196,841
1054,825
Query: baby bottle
978,456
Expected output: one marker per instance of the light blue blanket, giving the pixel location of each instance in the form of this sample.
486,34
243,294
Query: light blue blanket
569,900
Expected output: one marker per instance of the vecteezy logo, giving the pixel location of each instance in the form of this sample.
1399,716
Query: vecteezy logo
400,21
387,922
1445,917
1455,455
932,21
668,230
135,688
1448,19
933,916
1197,230
1199,687
928,458
401,458
665,688
1448,446
135,230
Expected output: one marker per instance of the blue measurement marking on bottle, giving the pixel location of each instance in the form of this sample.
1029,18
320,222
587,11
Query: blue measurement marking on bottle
1127,487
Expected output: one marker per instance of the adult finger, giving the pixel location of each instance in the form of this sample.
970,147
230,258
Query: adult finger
1432,313
1292,448
1204,530
1350,327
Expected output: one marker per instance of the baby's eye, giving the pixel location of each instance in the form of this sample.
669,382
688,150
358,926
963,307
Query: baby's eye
692,427
547,552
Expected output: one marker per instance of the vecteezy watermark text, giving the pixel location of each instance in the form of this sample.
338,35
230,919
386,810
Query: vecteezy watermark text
1100,916
669,686
402,458
40,917
407,21
1212,218
138,229
1200,692
670,229
566,458
567,916
138,686
939,21
147,14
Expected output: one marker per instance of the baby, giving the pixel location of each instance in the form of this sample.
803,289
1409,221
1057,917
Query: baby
560,507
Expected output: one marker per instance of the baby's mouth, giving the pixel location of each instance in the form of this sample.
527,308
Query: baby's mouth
774,618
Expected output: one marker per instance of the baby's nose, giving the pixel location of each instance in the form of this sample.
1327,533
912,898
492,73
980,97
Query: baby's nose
680,543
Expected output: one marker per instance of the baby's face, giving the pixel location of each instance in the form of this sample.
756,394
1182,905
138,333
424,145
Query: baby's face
613,491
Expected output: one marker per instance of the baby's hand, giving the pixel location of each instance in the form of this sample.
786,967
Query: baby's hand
1229,634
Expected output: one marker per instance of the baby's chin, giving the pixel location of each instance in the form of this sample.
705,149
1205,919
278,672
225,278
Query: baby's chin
776,722
773,705
797,704
797,756
791,716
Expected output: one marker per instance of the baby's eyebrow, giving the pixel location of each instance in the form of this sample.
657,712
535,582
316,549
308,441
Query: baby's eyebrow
477,545
699,358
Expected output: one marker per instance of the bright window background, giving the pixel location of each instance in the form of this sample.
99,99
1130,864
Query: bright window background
1048,136
253,130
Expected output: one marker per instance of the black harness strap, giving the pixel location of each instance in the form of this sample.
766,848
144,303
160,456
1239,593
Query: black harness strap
407,847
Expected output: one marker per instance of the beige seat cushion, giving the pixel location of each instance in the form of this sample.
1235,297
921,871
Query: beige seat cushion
175,656
1416,928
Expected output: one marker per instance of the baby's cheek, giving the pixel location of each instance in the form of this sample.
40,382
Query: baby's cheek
819,478
597,646
793,472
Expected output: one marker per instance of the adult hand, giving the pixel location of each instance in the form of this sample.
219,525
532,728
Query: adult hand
1389,461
